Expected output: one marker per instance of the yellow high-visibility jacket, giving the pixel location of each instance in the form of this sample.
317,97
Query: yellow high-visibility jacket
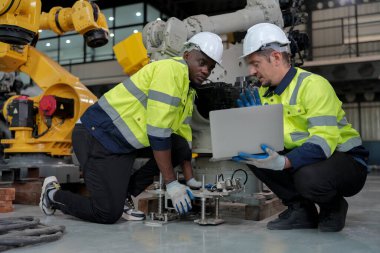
145,109
313,114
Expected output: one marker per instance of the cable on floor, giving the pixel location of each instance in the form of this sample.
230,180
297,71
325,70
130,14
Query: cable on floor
26,230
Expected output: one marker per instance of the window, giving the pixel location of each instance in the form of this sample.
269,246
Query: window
122,33
129,14
71,49
108,13
49,47
100,53
152,13
46,34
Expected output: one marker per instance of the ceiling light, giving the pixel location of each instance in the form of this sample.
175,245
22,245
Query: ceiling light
112,35
68,41
331,4
135,31
158,19
111,18
319,5
48,44
40,31
138,14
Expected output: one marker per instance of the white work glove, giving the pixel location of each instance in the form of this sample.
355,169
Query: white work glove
193,184
180,196
271,160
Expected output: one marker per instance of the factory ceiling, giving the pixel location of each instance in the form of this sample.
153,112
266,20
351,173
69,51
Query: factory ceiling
173,8
184,8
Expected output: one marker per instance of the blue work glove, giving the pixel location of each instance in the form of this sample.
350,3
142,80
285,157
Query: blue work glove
271,160
180,196
250,97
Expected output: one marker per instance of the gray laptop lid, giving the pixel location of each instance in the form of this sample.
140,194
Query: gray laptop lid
245,129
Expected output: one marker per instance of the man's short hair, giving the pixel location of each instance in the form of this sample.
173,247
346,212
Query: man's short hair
268,51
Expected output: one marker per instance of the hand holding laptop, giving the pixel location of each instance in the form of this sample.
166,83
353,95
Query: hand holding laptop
270,160
244,129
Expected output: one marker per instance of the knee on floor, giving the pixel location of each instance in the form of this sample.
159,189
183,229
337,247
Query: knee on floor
107,216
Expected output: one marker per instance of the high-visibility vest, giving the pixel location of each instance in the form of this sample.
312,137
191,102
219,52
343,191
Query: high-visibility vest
313,113
155,101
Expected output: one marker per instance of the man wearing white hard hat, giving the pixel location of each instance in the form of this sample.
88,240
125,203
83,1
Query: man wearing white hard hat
149,110
324,160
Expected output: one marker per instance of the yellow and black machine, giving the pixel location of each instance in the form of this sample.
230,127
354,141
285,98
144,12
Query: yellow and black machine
41,126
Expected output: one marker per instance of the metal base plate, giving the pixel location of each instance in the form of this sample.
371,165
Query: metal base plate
209,221
155,223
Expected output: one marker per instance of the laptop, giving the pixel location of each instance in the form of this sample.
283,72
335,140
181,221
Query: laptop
245,129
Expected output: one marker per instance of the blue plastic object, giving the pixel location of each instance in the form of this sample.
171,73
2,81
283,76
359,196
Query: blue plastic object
247,156
264,147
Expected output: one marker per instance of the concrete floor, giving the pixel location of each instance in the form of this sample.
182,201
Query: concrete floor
361,234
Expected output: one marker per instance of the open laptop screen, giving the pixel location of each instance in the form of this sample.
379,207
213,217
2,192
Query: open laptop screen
245,129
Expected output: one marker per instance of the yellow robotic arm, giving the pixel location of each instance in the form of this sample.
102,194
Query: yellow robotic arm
30,117
19,20
84,17
44,124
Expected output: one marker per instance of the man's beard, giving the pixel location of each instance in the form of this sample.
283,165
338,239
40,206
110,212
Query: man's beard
266,84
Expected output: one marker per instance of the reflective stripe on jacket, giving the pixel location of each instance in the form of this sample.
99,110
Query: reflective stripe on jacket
156,101
313,113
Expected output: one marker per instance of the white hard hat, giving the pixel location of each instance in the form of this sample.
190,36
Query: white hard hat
209,43
264,35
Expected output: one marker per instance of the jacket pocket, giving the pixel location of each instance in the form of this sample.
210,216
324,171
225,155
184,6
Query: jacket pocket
293,110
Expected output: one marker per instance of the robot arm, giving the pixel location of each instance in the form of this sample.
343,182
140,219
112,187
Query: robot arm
166,39
84,17
19,21
43,124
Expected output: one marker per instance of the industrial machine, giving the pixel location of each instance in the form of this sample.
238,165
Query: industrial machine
166,39
41,126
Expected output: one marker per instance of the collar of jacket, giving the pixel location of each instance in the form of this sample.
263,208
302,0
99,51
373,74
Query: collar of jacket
179,59
279,89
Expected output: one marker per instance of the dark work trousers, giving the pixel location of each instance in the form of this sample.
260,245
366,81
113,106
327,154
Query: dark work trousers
107,177
321,183
143,177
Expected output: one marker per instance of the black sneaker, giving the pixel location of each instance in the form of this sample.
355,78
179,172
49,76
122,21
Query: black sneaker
297,216
333,218
130,212
46,204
